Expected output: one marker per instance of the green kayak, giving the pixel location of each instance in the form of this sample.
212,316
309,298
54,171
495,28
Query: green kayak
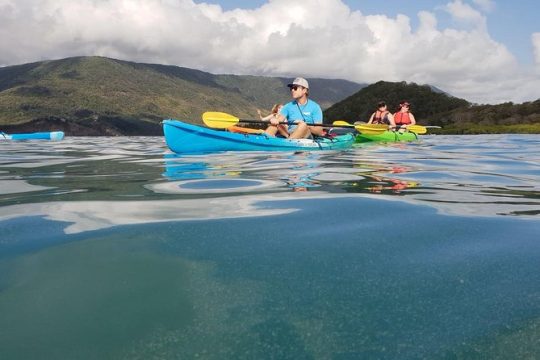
386,136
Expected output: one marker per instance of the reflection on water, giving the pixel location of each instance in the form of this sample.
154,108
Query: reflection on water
457,175
214,186
14,186
87,181
87,216
114,248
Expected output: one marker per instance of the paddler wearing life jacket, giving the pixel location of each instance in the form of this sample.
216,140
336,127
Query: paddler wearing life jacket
382,116
403,116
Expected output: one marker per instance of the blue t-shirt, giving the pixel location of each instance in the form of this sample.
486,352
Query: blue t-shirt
311,110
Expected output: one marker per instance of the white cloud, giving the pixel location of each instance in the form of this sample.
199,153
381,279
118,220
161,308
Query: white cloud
322,38
465,14
485,5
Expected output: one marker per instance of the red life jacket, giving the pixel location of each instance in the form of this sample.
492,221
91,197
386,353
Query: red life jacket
402,118
380,117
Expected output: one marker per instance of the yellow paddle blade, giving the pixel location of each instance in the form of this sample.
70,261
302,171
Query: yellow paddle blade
418,129
342,123
219,120
371,129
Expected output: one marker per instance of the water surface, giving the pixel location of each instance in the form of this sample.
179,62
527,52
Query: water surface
115,248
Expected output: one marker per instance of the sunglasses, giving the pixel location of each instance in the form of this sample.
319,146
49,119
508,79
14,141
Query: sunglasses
295,87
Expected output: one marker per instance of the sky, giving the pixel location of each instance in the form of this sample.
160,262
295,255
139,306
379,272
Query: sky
485,51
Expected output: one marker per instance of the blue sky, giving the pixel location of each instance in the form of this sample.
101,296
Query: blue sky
509,22
485,51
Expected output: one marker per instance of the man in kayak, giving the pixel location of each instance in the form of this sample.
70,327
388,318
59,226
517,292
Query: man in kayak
300,114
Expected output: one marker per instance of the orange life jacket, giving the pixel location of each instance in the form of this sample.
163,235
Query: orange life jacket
380,117
402,118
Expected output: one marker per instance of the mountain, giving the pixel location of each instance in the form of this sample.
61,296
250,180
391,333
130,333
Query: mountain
425,102
432,106
103,96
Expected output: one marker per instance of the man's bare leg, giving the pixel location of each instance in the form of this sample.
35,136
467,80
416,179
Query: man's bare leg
301,131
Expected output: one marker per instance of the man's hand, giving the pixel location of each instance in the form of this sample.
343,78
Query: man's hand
275,120
316,130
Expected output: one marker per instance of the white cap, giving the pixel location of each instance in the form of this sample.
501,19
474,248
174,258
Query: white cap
300,81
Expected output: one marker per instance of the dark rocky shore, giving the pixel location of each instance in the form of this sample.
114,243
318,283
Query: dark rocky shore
102,126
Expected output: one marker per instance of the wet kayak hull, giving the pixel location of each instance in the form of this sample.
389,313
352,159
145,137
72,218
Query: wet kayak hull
386,136
51,135
182,138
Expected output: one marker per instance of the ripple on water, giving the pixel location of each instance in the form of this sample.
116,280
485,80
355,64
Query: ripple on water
19,186
213,186
220,256
442,169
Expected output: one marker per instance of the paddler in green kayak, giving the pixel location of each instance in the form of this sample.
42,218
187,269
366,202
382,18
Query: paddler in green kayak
382,116
403,117
300,114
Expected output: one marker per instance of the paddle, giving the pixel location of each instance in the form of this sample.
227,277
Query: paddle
373,129
358,127
421,129
220,120
368,129
341,123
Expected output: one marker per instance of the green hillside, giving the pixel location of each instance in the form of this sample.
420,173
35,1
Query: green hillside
425,101
102,96
431,106
490,119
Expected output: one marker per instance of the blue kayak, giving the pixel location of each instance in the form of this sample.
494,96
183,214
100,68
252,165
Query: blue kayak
51,135
183,138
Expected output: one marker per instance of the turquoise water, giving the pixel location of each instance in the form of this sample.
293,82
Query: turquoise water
114,248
